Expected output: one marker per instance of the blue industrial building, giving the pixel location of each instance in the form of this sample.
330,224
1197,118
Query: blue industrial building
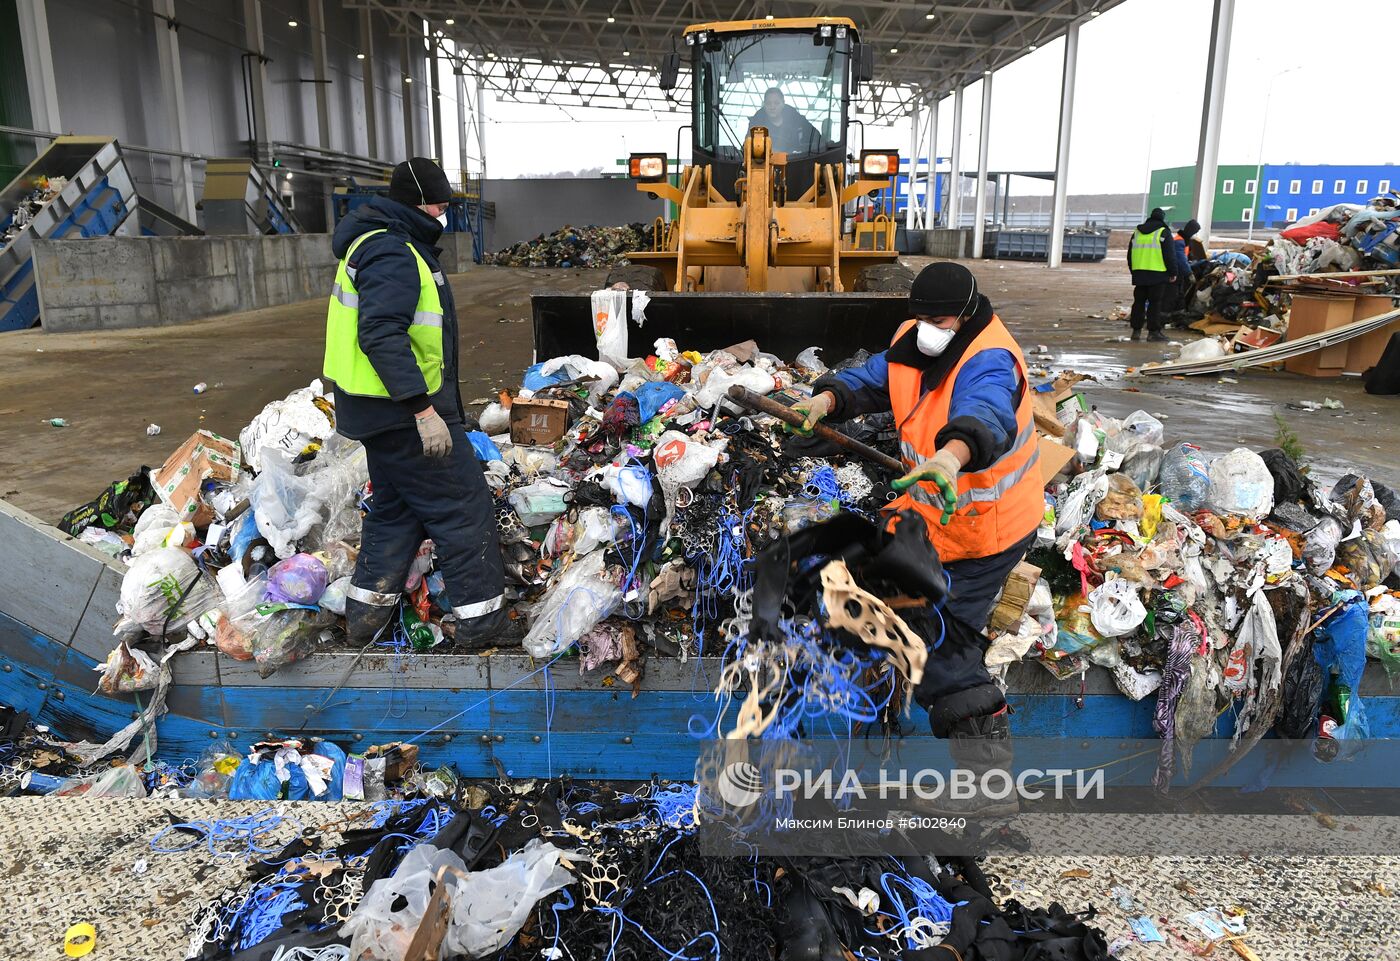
1286,192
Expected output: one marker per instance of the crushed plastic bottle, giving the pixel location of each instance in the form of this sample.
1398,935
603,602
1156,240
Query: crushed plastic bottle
200,387
152,430
57,422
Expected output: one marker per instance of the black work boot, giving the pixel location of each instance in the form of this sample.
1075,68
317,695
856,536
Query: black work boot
366,622
484,631
1157,337
980,745
1135,335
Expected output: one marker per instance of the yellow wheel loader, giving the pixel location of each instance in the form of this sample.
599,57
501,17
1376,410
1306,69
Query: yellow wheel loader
777,235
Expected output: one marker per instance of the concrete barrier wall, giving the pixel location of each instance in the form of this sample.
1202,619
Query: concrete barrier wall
528,208
115,282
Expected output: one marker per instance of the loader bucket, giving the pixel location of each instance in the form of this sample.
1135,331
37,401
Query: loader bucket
781,323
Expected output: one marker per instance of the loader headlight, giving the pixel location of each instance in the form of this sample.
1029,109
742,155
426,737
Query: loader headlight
647,166
879,163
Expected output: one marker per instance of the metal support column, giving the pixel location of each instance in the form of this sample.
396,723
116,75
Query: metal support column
955,161
461,73
909,205
435,93
1203,204
1057,211
406,90
481,127
367,79
257,70
931,178
168,54
979,228
38,65
322,84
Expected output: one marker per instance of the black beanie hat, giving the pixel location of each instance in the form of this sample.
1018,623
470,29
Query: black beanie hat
943,289
419,181
1157,214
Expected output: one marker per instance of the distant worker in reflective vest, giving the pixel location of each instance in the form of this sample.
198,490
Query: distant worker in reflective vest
1152,260
956,381
391,349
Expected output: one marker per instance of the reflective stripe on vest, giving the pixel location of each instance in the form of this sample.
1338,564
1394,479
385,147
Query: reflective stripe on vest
346,364
996,507
1146,253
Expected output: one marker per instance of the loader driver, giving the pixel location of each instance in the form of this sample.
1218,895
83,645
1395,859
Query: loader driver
788,130
391,348
956,382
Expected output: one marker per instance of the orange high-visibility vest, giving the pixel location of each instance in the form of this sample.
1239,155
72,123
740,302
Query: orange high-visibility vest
997,507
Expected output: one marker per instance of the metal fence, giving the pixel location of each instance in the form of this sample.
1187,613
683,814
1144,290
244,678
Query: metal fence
1036,218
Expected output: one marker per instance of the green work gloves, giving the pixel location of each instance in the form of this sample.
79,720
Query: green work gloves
942,468
433,432
813,410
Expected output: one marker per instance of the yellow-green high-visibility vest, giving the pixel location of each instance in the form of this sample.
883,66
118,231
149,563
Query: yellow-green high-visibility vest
346,363
1146,253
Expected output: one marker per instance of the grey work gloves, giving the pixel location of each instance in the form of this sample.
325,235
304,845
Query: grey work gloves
432,430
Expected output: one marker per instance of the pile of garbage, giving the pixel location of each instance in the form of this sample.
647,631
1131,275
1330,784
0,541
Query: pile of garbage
635,502
568,246
1209,582
45,190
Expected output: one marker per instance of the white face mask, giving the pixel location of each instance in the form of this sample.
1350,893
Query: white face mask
442,219
934,340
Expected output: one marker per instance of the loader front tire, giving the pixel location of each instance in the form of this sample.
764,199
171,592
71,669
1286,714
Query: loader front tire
637,277
884,279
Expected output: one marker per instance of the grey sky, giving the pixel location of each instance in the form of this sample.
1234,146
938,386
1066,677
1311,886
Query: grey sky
1141,82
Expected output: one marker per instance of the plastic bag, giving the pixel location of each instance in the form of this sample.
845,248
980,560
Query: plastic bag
1208,348
490,907
1115,608
720,380
1368,557
483,446
1075,630
1143,464
1077,506
126,670
290,505
494,419
121,781
290,425
162,592
538,503
579,597
1240,484
215,767
379,931
610,326
1140,427
287,635
1184,478
576,366
333,597
628,484
300,579
809,363
255,780
159,526
1122,502
1320,545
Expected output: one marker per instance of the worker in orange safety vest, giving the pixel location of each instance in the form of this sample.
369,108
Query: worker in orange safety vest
956,381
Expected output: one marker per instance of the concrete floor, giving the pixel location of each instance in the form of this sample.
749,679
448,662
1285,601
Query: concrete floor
109,385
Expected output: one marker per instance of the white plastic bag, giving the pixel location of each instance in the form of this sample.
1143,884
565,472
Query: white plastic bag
1140,427
159,526
610,326
1209,348
574,366
628,484
490,907
494,419
576,599
127,669
289,505
376,930
809,363
162,592
288,425
720,380
1240,483
1115,608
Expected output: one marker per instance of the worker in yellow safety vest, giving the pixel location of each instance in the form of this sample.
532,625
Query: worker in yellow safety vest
391,349
1152,260
956,381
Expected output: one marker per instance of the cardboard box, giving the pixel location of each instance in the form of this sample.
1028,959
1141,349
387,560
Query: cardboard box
1067,411
538,422
1047,420
1053,458
204,457
1312,315
1364,352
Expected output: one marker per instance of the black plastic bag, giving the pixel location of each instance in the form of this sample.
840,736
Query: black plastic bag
118,506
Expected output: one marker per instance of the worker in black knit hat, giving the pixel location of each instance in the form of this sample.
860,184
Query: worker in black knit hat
956,381
391,349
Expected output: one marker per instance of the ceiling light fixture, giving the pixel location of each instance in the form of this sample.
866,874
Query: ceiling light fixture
1093,13
627,53
359,56
930,16
1032,48
449,21
291,23
612,19
894,50
767,16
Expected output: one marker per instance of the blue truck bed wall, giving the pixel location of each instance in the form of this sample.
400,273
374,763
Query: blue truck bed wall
98,201
57,608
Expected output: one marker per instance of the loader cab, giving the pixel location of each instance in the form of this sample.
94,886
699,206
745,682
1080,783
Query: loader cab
794,77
